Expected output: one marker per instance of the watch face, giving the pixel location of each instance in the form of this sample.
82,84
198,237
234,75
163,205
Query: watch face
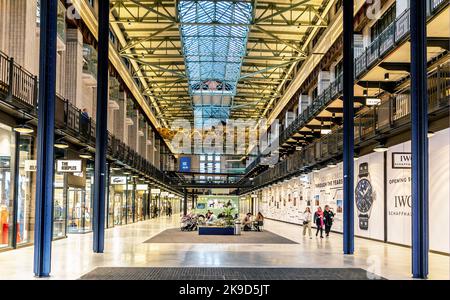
363,195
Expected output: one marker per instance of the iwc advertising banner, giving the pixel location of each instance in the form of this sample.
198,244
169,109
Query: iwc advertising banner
399,199
369,193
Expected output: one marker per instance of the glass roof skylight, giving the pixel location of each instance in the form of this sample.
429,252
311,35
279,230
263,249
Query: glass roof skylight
214,36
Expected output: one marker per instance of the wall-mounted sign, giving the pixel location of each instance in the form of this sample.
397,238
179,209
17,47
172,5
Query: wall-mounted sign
115,180
164,194
155,191
401,160
30,165
373,101
141,187
185,164
69,166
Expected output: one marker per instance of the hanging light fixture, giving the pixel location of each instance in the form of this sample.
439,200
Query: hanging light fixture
386,76
24,129
85,154
380,148
332,164
365,93
60,144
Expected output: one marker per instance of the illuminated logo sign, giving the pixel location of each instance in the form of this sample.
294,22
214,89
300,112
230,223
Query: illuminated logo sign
116,180
401,160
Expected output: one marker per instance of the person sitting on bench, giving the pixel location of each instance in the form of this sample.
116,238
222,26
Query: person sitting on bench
247,222
259,221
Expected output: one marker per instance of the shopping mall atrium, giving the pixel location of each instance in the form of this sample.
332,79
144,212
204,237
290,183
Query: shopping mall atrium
234,139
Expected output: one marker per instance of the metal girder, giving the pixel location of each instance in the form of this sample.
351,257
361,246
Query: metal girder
275,44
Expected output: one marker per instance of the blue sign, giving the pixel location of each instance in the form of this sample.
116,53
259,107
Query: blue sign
185,164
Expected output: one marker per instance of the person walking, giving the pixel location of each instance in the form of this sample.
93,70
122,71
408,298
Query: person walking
307,222
318,220
328,217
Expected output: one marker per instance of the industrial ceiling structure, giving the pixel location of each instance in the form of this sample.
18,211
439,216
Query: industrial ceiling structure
199,59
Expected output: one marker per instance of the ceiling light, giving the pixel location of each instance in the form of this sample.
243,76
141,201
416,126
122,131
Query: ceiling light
430,133
380,148
85,155
386,76
315,170
365,93
24,129
331,164
61,145
355,158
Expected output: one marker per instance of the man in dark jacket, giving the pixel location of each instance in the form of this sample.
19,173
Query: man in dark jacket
328,217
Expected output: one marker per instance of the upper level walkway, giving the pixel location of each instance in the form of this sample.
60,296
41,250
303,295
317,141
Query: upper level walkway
126,247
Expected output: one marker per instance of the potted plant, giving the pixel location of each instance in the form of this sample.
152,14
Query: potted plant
228,216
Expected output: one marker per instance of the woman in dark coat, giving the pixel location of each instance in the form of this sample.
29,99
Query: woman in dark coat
328,217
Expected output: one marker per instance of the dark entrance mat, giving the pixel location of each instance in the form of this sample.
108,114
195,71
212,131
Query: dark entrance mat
192,237
229,274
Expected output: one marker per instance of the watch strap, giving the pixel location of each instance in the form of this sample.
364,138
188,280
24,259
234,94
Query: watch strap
363,221
363,170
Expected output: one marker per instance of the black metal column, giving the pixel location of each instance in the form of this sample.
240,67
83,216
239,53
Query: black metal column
419,140
101,136
45,140
185,202
348,155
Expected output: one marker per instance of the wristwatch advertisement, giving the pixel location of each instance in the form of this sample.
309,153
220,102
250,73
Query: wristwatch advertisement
364,196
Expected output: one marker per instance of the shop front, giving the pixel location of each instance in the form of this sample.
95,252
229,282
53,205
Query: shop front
17,179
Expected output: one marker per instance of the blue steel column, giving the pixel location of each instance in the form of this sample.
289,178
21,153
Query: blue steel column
185,202
101,127
45,140
349,140
419,140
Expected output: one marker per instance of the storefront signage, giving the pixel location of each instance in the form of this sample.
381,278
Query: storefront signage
373,101
164,194
141,187
30,165
401,160
69,166
115,180
155,191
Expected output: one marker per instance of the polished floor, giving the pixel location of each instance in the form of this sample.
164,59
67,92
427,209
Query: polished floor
125,247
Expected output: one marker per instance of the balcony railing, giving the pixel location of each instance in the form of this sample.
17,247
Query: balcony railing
393,35
368,125
19,89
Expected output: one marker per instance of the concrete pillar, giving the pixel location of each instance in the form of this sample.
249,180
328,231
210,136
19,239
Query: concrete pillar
18,32
119,117
133,130
303,102
289,118
323,81
74,65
